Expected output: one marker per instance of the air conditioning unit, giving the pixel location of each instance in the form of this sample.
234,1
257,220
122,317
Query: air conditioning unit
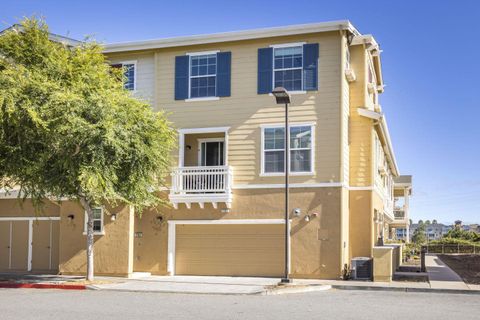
362,268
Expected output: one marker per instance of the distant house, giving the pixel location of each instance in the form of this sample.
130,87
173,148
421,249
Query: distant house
433,231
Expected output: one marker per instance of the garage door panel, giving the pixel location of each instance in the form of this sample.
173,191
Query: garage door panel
4,245
41,245
236,250
19,245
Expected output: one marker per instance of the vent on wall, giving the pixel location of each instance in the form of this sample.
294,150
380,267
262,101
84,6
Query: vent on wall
362,268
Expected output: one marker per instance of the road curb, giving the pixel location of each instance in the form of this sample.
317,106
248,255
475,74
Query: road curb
41,286
406,289
277,290
273,290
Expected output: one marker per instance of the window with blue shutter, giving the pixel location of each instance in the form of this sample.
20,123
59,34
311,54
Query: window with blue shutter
203,75
293,67
181,77
265,70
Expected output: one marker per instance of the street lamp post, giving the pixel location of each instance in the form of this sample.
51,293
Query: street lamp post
282,97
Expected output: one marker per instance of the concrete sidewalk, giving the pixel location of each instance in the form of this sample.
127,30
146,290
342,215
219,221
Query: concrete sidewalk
264,286
209,285
441,276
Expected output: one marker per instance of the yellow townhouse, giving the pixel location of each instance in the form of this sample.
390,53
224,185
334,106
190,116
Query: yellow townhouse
226,191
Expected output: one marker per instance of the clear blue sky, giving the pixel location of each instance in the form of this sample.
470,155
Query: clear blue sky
430,66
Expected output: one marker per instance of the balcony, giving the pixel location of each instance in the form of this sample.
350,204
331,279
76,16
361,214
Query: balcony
399,214
201,184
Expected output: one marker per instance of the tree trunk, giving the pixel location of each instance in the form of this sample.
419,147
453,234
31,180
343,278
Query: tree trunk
88,209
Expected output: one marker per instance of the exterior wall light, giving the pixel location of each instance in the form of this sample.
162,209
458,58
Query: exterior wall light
113,217
70,217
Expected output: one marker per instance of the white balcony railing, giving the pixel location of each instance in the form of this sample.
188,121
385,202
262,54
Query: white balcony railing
201,184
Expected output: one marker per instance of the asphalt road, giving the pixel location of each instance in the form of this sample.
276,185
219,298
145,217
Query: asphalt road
38,304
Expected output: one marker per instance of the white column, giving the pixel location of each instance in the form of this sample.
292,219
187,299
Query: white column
181,149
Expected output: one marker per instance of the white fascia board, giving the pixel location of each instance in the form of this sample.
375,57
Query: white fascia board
203,130
382,123
386,133
370,114
231,36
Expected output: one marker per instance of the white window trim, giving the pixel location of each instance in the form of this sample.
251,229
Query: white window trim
134,62
287,45
201,99
202,140
196,54
262,147
95,233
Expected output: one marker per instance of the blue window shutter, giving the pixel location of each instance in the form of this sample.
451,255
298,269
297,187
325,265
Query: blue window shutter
181,77
310,66
224,61
265,70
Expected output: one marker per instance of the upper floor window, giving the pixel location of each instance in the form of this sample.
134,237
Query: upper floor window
301,149
293,66
129,74
97,220
203,74
288,68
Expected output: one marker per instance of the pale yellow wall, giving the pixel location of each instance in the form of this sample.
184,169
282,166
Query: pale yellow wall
244,111
361,128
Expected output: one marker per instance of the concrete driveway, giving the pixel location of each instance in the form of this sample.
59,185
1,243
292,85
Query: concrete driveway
191,284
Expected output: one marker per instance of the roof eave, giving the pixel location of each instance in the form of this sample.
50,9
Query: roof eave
231,36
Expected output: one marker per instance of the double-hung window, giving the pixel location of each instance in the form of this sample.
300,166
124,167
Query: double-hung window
97,220
301,149
128,73
288,68
203,75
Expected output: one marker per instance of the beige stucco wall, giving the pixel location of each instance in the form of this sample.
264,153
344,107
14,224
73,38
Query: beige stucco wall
361,224
111,250
17,208
315,245
382,264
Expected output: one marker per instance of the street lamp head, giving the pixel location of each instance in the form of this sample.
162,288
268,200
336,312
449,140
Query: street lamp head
281,94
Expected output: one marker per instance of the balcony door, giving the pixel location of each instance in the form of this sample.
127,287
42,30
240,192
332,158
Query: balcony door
211,152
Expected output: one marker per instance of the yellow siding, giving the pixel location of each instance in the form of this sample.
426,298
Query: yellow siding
361,128
245,110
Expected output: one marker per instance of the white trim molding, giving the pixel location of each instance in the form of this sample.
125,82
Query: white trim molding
290,185
201,53
202,99
172,228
